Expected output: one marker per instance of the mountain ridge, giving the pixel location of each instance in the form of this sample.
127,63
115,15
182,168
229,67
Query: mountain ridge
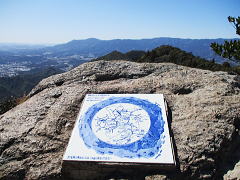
166,53
96,47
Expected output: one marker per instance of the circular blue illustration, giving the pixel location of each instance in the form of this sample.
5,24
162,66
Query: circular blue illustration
123,126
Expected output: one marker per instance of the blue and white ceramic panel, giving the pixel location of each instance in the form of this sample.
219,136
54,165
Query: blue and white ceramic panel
121,128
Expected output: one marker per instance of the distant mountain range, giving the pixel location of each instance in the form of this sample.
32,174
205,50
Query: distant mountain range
16,57
95,47
19,47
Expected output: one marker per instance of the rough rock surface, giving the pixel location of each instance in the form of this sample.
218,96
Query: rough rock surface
233,174
204,105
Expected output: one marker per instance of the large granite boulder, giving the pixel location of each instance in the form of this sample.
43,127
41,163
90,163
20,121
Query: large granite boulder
205,111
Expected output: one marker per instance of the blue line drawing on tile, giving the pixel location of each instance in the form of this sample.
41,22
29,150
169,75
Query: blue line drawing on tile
127,127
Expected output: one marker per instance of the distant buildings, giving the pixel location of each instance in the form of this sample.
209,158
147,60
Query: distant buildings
12,69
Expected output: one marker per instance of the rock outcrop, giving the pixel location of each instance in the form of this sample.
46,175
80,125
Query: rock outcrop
205,110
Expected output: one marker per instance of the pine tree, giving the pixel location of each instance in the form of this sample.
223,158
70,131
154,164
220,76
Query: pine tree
230,49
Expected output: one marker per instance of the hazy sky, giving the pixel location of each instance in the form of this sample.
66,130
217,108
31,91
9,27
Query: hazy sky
57,21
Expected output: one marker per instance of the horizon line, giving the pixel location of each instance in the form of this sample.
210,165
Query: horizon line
64,42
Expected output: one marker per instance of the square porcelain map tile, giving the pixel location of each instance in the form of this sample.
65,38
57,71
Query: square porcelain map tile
129,128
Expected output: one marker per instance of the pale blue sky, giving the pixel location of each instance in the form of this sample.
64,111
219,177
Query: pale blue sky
57,21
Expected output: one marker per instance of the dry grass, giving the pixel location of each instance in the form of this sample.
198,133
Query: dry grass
21,99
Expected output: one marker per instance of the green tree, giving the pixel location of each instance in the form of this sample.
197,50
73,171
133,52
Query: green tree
230,49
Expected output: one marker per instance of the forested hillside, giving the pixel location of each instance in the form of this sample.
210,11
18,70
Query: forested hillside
131,55
11,88
175,55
